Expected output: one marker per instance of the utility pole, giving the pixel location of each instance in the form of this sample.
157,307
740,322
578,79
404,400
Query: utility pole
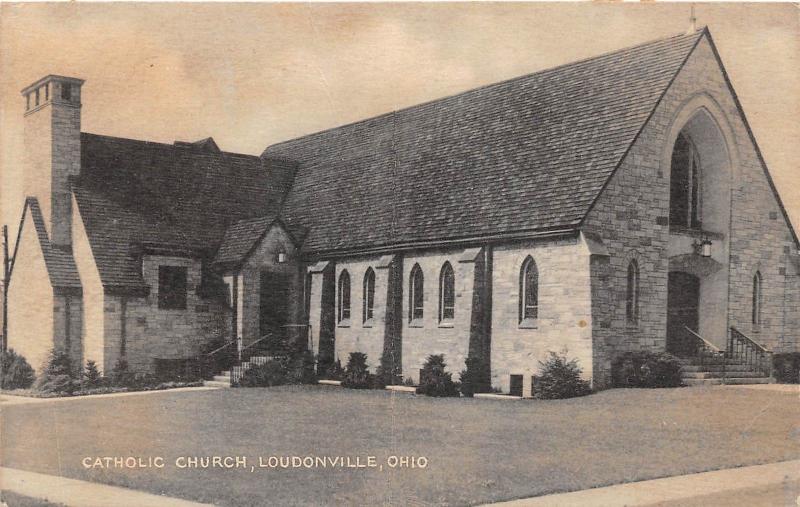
6,277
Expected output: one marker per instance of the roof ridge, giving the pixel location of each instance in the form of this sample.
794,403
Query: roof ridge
620,51
167,145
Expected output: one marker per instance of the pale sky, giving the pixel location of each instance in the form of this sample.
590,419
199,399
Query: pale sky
253,74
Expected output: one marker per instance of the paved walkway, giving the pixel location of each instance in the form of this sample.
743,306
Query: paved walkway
75,493
670,489
10,399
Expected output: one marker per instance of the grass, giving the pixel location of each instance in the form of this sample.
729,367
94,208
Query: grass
15,500
477,450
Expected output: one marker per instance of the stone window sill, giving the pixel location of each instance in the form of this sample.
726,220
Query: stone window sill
344,323
529,324
368,323
447,324
416,323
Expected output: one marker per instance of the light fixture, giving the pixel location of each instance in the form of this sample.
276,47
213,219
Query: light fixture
281,257
703,247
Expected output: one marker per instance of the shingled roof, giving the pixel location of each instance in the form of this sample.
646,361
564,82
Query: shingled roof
61,268
134,195
528,154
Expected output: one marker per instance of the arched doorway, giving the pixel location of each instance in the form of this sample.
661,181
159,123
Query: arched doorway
683,301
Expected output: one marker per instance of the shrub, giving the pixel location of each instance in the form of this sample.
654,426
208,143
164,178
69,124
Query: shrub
121,376
786,367
271,373
15,372
560,378
334,371
58,375
301,369
646,369
408,382
356,374
474,377
434,380
91,376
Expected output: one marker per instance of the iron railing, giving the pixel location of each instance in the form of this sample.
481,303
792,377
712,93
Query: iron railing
705,351
217,360
745,350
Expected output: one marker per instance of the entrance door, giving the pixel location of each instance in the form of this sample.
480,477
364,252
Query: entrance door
683,299
273,310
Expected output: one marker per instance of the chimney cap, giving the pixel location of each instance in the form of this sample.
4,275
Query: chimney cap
51,77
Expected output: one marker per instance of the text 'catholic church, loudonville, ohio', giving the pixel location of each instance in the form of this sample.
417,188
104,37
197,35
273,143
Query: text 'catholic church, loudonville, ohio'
617,203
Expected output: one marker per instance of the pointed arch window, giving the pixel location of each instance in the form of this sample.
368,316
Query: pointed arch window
447,293
368,310
529,291
344,297
632,293
757,300
416,300
684,186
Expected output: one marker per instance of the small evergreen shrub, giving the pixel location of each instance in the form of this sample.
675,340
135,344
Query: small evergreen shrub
473,377
434,380
356,373
559,378
15,372
121,376
408,382
271,373
786,367
91,376
302,369
646,369
58,375
334,371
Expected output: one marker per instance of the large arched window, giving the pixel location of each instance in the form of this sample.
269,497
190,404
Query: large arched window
416,294
369,296
757,299
529,290
632,294
684,184
447,293
344,296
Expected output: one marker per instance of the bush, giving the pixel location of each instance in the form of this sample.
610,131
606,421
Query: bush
271,373
646,369
121,376
356,374
333,372
15,372
474,377
91,376
786,367
58,375
434,380
301,369
560,378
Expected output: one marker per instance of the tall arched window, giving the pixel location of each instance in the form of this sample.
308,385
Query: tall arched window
757,299
344,296
369,296
447,293
632,294
416,294
684,184
529,290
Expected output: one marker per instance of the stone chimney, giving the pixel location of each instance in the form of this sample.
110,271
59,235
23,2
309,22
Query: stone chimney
52,142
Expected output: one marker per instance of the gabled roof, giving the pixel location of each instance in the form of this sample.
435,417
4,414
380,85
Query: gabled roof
181,199
528,154
61,268
243,237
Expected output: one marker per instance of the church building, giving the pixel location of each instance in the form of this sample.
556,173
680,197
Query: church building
613,204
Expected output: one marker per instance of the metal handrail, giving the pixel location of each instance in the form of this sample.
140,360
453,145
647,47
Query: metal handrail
752,342
209,354
707,343
752,353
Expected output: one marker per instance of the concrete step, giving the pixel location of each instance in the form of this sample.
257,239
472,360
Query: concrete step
714,367
216,383
730,381
720,374
222,378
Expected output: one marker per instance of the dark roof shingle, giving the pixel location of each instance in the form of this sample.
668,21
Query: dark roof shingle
527,154
60,263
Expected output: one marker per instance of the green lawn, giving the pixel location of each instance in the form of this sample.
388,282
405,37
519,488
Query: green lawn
477,450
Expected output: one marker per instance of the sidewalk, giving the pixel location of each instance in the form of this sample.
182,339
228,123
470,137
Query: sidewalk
75,493
11,399
670,489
